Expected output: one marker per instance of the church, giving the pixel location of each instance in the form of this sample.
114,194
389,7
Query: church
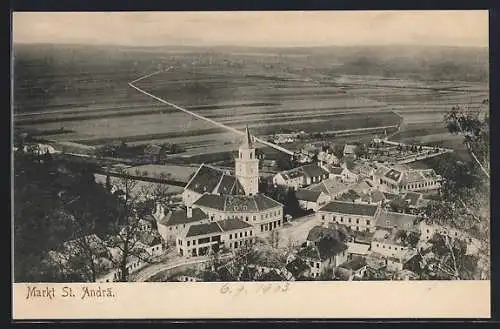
223,196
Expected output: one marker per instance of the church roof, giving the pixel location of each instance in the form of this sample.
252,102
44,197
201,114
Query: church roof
208,179
237,203
247,143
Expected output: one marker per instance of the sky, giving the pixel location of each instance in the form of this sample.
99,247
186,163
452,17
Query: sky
314,28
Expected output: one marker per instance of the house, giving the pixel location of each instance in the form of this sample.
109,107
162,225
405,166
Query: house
328,158
405,222
350,196
177,221
335,231
353,269
297,268
301,176
333,187
313,174
429,228
349,151
292,178
323,256
359,245
208,179
391,243
259,210
341,172
151,242
311,200
201,239
358,217
394,264
398,179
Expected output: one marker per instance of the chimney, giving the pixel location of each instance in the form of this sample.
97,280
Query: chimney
189,212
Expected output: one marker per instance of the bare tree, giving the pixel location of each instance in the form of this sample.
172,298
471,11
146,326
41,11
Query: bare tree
127,241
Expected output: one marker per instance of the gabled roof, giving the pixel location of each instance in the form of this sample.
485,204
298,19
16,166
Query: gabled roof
389,220
208,179
297,267
355,264
350,208
318,232
179,217
307,195
324,249
150,238
313,170
232,224
237,203
202,229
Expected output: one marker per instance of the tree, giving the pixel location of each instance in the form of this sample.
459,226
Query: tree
338,151
127,240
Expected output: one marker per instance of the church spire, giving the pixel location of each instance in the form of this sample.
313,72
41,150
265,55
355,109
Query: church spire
248,139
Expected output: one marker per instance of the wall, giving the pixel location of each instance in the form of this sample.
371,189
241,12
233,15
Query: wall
356,223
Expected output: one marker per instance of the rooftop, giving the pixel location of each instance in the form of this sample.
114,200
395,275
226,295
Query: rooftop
203,229
313,170
355,264
208,179
237,203
297,267
389,220
232,224
350,208
307,195
326,248
179,217
319,232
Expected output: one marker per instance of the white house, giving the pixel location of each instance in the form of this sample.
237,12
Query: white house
311,200
200,239
358,217
175,222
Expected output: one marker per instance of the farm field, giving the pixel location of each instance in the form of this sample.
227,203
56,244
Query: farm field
85,91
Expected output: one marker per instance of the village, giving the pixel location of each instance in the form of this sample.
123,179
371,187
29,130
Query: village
354,215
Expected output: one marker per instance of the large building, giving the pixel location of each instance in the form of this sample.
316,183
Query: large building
397,179
213,198
356,216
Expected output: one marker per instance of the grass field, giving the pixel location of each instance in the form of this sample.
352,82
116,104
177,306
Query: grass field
84,90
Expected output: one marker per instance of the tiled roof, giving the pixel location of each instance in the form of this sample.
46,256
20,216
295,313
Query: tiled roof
412,176
237,203
149,238
401,221
202,229
313,170
232,224
331,186
324,249
318,232
355,264
307,195
350,208
179,217
208,179
297,267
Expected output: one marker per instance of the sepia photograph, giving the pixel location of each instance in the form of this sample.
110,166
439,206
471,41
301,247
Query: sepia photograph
291,148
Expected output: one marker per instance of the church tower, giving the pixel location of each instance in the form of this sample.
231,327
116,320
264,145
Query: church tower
247,166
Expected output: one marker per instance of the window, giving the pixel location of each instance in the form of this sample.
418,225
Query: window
279,222
317,265
367,222
189,243
378,245
357,220
250,233
341,220
254,218
230,236
245,233
194,242
170,228
389,247
246,218
241,234
349,220
383,246
322,217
